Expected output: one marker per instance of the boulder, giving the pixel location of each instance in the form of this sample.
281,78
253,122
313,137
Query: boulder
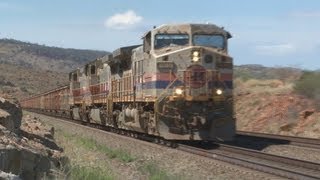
23,160
31,154
306,113
10,114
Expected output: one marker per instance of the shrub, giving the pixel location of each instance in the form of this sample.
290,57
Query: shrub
309,85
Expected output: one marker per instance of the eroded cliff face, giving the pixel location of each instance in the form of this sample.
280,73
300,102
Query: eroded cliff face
27,148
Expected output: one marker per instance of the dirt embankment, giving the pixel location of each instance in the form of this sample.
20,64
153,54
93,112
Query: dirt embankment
27,148
272,107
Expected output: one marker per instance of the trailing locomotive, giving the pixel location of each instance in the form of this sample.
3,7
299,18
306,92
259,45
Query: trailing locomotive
176,85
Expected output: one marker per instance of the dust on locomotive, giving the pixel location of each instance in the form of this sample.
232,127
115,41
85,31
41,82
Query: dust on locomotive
177,85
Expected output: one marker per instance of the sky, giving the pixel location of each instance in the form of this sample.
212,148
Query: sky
267,32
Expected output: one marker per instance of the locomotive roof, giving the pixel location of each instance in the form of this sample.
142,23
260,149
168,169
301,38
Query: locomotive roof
190,28
124,51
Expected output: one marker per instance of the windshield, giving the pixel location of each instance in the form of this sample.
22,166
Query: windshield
209,40
163,40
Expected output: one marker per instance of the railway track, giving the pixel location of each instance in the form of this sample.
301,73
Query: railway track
252,159
279,139
268,163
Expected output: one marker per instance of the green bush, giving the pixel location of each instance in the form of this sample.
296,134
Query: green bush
309,85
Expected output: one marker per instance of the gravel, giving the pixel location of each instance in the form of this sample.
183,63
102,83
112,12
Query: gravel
302,153
177,163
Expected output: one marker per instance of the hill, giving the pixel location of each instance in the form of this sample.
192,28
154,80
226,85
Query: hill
43,57
255,71
21,82
27,68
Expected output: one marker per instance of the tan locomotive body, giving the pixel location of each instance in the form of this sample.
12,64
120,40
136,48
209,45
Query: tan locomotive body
177,85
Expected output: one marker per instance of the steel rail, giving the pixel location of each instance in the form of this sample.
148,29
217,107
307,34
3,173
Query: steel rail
293,140
256,160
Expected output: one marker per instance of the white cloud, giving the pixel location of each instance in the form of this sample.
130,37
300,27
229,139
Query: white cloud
123,20
276,49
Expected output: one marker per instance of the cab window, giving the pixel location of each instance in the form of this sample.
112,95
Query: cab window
209,40
165,40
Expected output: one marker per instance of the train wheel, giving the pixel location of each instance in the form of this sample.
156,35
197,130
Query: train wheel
87,117
84,116
115,117
173,144
71,115
156,140
103,117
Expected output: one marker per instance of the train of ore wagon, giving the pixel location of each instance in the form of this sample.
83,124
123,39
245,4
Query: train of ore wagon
177,85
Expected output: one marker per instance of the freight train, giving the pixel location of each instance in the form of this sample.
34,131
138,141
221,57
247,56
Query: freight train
177,85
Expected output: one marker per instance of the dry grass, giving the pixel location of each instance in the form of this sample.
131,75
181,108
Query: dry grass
88,173
273,86
263,83
86,161
91,144
155,173
92,160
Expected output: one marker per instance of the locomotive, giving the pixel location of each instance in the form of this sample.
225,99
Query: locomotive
177,85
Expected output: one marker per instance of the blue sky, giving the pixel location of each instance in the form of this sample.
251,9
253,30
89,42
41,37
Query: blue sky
267,32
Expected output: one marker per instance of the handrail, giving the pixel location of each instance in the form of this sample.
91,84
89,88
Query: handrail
160,98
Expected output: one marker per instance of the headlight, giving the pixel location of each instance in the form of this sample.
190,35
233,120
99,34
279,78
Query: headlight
179,91
195,53
195,59
195,56
219,91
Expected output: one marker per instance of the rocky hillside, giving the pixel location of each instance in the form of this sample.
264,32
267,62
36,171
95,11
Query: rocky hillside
27,68
21,82
41,57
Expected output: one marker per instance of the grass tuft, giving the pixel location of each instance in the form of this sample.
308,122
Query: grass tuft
89,173
154,172
92,144
116,153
